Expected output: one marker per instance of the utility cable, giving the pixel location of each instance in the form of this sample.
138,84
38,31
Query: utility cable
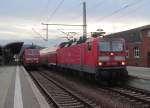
56,9
121,9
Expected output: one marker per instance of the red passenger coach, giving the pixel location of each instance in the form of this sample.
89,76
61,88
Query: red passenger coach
31,57
102,57
48,56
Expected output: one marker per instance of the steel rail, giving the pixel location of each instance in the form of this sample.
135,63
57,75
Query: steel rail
57,93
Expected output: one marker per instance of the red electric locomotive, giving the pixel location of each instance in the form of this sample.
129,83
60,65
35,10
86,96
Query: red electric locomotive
101,58
31,57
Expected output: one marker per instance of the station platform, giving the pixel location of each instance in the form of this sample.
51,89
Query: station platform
17,89
139,72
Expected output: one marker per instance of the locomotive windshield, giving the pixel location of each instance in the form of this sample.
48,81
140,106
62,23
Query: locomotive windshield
110,45
104,46
117,46
33,52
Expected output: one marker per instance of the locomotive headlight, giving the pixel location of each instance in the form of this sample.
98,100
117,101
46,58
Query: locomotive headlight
104,58
111,54
119,58
123,63
100,63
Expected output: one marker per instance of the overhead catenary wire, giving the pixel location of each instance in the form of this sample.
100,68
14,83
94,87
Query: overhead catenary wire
105,17
51,16
134,10
47,5
120,9
55,10
80,15
126,6
100,2
37,33
131,12
42,10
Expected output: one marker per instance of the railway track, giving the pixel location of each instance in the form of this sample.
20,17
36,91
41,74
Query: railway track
59,96
134,95
63,97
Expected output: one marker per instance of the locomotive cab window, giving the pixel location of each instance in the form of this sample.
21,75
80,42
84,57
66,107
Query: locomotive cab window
114,45
104,46
89,46
117,46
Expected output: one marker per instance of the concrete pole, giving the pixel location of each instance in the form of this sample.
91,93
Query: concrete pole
84,21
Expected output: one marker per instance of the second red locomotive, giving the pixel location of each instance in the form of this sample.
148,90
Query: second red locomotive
31,57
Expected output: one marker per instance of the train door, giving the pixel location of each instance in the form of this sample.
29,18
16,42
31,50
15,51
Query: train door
148,59
89,54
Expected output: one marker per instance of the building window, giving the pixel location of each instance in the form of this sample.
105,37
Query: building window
137,52
148,33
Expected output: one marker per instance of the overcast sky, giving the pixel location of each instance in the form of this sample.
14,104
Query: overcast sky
20,20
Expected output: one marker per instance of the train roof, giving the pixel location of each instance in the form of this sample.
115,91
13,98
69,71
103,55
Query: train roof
28,46
72,42
82,40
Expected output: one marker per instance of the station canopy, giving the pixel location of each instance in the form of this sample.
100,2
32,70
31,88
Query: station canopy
8,51
14,47
1,50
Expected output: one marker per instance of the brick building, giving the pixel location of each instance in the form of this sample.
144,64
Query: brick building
137,45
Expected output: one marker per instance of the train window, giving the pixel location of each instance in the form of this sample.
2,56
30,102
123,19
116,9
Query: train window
89,46
127,52
35,51
104,46
117,46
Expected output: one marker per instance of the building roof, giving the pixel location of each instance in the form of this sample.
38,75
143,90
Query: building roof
132,35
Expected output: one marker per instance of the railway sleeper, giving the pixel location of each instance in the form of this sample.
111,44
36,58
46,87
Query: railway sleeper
147,97
62,99
138,96
61,95
75,106
70,104
69,101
